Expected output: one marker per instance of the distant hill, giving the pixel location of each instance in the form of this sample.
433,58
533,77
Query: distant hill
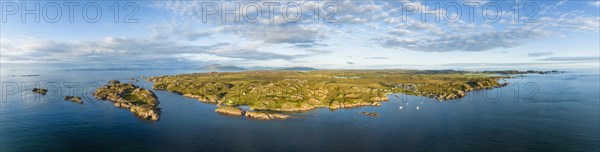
116,69
298,68
218,67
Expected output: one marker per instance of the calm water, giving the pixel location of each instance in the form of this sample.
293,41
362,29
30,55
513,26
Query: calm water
563,114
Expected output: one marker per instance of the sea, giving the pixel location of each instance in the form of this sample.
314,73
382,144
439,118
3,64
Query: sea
536,112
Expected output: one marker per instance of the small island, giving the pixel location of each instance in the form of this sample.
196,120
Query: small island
74,99
40,91
139,101
372,114
286,91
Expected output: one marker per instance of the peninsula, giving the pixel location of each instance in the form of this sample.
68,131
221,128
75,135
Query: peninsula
139,101
282,90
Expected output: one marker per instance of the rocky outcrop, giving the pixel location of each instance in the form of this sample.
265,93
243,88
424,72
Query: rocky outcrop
74,99
234,111
203,98
230,111
111,82
265,115
146,112
40,91
139,101
372,114
337,105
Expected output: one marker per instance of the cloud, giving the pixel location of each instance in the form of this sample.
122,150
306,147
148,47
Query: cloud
539,54
181,30
475,2
377,58
374,25
270,28
573,59
399,32
572,21
415,35
420,26
317,51
128,51
596,3
411,35
300,36
469,42
251,54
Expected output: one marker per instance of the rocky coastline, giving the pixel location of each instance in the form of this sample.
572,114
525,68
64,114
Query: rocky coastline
141,102
234,111
296,91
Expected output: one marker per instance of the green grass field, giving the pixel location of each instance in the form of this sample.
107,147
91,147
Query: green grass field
297,90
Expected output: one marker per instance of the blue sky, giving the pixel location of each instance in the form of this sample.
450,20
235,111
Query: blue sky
361,34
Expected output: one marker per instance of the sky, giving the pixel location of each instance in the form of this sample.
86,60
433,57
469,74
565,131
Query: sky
360,34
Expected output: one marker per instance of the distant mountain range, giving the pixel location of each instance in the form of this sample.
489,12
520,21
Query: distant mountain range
219,67
116,69
211,67
298,68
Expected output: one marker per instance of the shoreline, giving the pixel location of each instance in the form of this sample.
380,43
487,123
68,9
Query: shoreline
293,91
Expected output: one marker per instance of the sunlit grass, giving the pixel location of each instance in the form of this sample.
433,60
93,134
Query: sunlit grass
296,90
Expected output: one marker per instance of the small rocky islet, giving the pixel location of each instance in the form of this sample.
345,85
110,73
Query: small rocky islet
74,99
40,91
139,101
372,114
68,98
